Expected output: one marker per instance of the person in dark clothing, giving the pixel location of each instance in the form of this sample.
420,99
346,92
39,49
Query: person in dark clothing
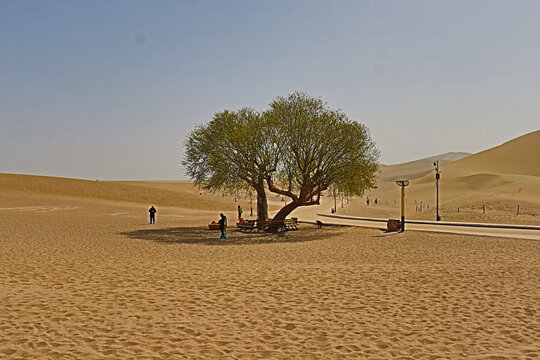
222,225
152,212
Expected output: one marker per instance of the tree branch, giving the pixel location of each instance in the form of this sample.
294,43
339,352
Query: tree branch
276,190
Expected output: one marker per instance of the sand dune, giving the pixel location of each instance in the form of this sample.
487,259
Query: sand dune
497,180
175,194
519,156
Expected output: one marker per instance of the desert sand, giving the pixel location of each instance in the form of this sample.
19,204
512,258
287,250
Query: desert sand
498,180
84,276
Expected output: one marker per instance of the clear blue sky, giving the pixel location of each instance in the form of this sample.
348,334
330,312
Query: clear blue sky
110,89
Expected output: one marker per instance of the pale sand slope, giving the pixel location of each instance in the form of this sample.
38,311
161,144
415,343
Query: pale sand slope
417,168
89,279
500,178
178,194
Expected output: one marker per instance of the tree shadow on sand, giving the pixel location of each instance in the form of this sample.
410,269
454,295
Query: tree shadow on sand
202,236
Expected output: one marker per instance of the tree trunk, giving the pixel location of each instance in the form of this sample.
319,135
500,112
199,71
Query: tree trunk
262,204
286,210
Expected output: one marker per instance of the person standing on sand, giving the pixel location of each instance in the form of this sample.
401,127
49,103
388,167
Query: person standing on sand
240,211
222,224
152,212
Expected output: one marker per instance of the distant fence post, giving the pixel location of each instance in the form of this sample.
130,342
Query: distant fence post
484,208
517,213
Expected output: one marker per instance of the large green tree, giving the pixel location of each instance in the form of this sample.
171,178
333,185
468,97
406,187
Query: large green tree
234,152
298,148
319,147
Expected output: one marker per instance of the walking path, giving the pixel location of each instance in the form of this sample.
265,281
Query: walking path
529,232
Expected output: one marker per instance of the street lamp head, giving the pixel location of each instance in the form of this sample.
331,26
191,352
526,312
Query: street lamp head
402,183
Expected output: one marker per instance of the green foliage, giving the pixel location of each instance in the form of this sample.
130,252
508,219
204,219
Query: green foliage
231,152
299,147
321,147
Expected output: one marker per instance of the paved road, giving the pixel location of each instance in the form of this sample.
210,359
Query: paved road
497,230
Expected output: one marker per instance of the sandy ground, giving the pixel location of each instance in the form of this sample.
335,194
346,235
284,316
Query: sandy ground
92,280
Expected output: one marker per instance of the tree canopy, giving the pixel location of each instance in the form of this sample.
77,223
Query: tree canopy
233,153
320,147
298,148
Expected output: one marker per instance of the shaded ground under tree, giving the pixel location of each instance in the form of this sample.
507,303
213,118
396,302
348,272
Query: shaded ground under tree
204,236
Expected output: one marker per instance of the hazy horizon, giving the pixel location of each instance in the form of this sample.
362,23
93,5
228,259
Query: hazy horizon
109,90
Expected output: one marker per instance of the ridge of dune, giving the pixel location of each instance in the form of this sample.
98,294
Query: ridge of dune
417,168
446,157
519,156
507,164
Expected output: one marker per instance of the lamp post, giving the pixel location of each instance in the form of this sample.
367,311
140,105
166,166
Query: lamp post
403,184
437,177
